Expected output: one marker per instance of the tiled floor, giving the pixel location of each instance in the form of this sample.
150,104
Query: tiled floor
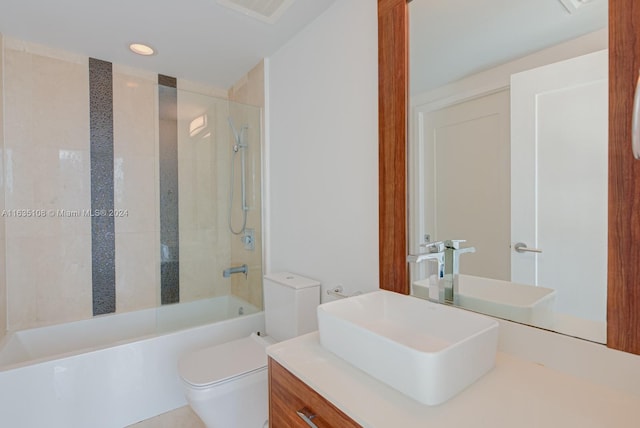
179,418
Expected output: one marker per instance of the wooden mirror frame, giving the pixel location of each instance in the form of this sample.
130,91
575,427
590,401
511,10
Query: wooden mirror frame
623,282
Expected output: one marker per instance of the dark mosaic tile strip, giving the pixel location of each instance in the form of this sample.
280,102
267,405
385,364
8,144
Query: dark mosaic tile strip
168,152
170,272
103,252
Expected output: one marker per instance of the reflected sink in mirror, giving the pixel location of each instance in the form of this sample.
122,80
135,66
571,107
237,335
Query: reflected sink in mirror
517,302
427,351
521,303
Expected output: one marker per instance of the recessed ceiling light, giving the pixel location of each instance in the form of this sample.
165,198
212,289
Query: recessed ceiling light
141,49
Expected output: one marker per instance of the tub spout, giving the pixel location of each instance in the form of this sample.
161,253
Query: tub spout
237,269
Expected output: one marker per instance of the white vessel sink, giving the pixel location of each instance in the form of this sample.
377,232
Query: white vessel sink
426,350
526,304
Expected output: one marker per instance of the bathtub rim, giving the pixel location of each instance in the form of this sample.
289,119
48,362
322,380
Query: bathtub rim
114,344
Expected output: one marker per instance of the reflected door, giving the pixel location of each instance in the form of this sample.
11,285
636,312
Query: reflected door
463,192
559,137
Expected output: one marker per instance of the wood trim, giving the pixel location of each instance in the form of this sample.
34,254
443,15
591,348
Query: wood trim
393,99
288,394
623,303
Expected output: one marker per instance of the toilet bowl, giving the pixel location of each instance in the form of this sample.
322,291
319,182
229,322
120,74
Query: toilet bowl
227,385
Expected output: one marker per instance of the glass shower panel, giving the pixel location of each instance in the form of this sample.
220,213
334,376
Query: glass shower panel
246,206
215,137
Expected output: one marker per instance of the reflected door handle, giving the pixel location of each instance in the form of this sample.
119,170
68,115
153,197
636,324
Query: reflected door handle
635,122
521,247
306,415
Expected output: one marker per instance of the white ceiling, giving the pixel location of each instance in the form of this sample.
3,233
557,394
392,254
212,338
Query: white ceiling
201,40
198,40
451,39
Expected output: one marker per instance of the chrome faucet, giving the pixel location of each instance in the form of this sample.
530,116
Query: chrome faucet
447,255
237,269
452,253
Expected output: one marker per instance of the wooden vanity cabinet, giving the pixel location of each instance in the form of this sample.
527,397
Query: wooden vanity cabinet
289,395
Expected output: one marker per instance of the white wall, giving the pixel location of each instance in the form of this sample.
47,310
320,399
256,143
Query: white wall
322,151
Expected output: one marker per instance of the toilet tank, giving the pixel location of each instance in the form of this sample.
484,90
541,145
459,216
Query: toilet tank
290,302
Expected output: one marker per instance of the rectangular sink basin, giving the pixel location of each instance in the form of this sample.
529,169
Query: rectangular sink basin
426,350
522,303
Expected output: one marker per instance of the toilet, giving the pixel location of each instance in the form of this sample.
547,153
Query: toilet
226,385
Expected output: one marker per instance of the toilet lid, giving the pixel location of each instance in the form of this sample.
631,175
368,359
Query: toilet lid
223,362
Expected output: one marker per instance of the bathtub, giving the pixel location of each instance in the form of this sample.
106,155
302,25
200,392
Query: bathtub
113,370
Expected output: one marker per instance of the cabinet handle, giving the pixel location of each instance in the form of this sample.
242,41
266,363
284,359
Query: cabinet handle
635,127
305,415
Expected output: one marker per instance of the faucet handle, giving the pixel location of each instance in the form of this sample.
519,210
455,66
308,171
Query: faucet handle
454,243
434,247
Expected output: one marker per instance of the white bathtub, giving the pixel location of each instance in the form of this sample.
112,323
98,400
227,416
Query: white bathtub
114,370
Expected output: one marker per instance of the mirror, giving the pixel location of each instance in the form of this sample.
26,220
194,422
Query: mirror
508,145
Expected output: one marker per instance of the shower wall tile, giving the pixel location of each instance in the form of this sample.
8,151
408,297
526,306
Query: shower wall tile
22,286
185,86
135,102
135,185
46,168
198,183
3,270
202,260
135,154
137,271
44,51
249,89
46,261
248,92
3,288
203,188
136,190
54,284
63,261
53,180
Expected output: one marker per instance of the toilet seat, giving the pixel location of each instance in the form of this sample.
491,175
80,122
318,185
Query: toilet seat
233,360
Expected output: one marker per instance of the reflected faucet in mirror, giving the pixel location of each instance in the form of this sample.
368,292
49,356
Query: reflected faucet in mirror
452,266
447,256
435,252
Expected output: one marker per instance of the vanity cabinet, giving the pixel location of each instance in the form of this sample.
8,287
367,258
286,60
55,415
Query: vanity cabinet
289,398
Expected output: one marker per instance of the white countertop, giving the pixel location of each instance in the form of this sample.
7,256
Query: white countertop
516,393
